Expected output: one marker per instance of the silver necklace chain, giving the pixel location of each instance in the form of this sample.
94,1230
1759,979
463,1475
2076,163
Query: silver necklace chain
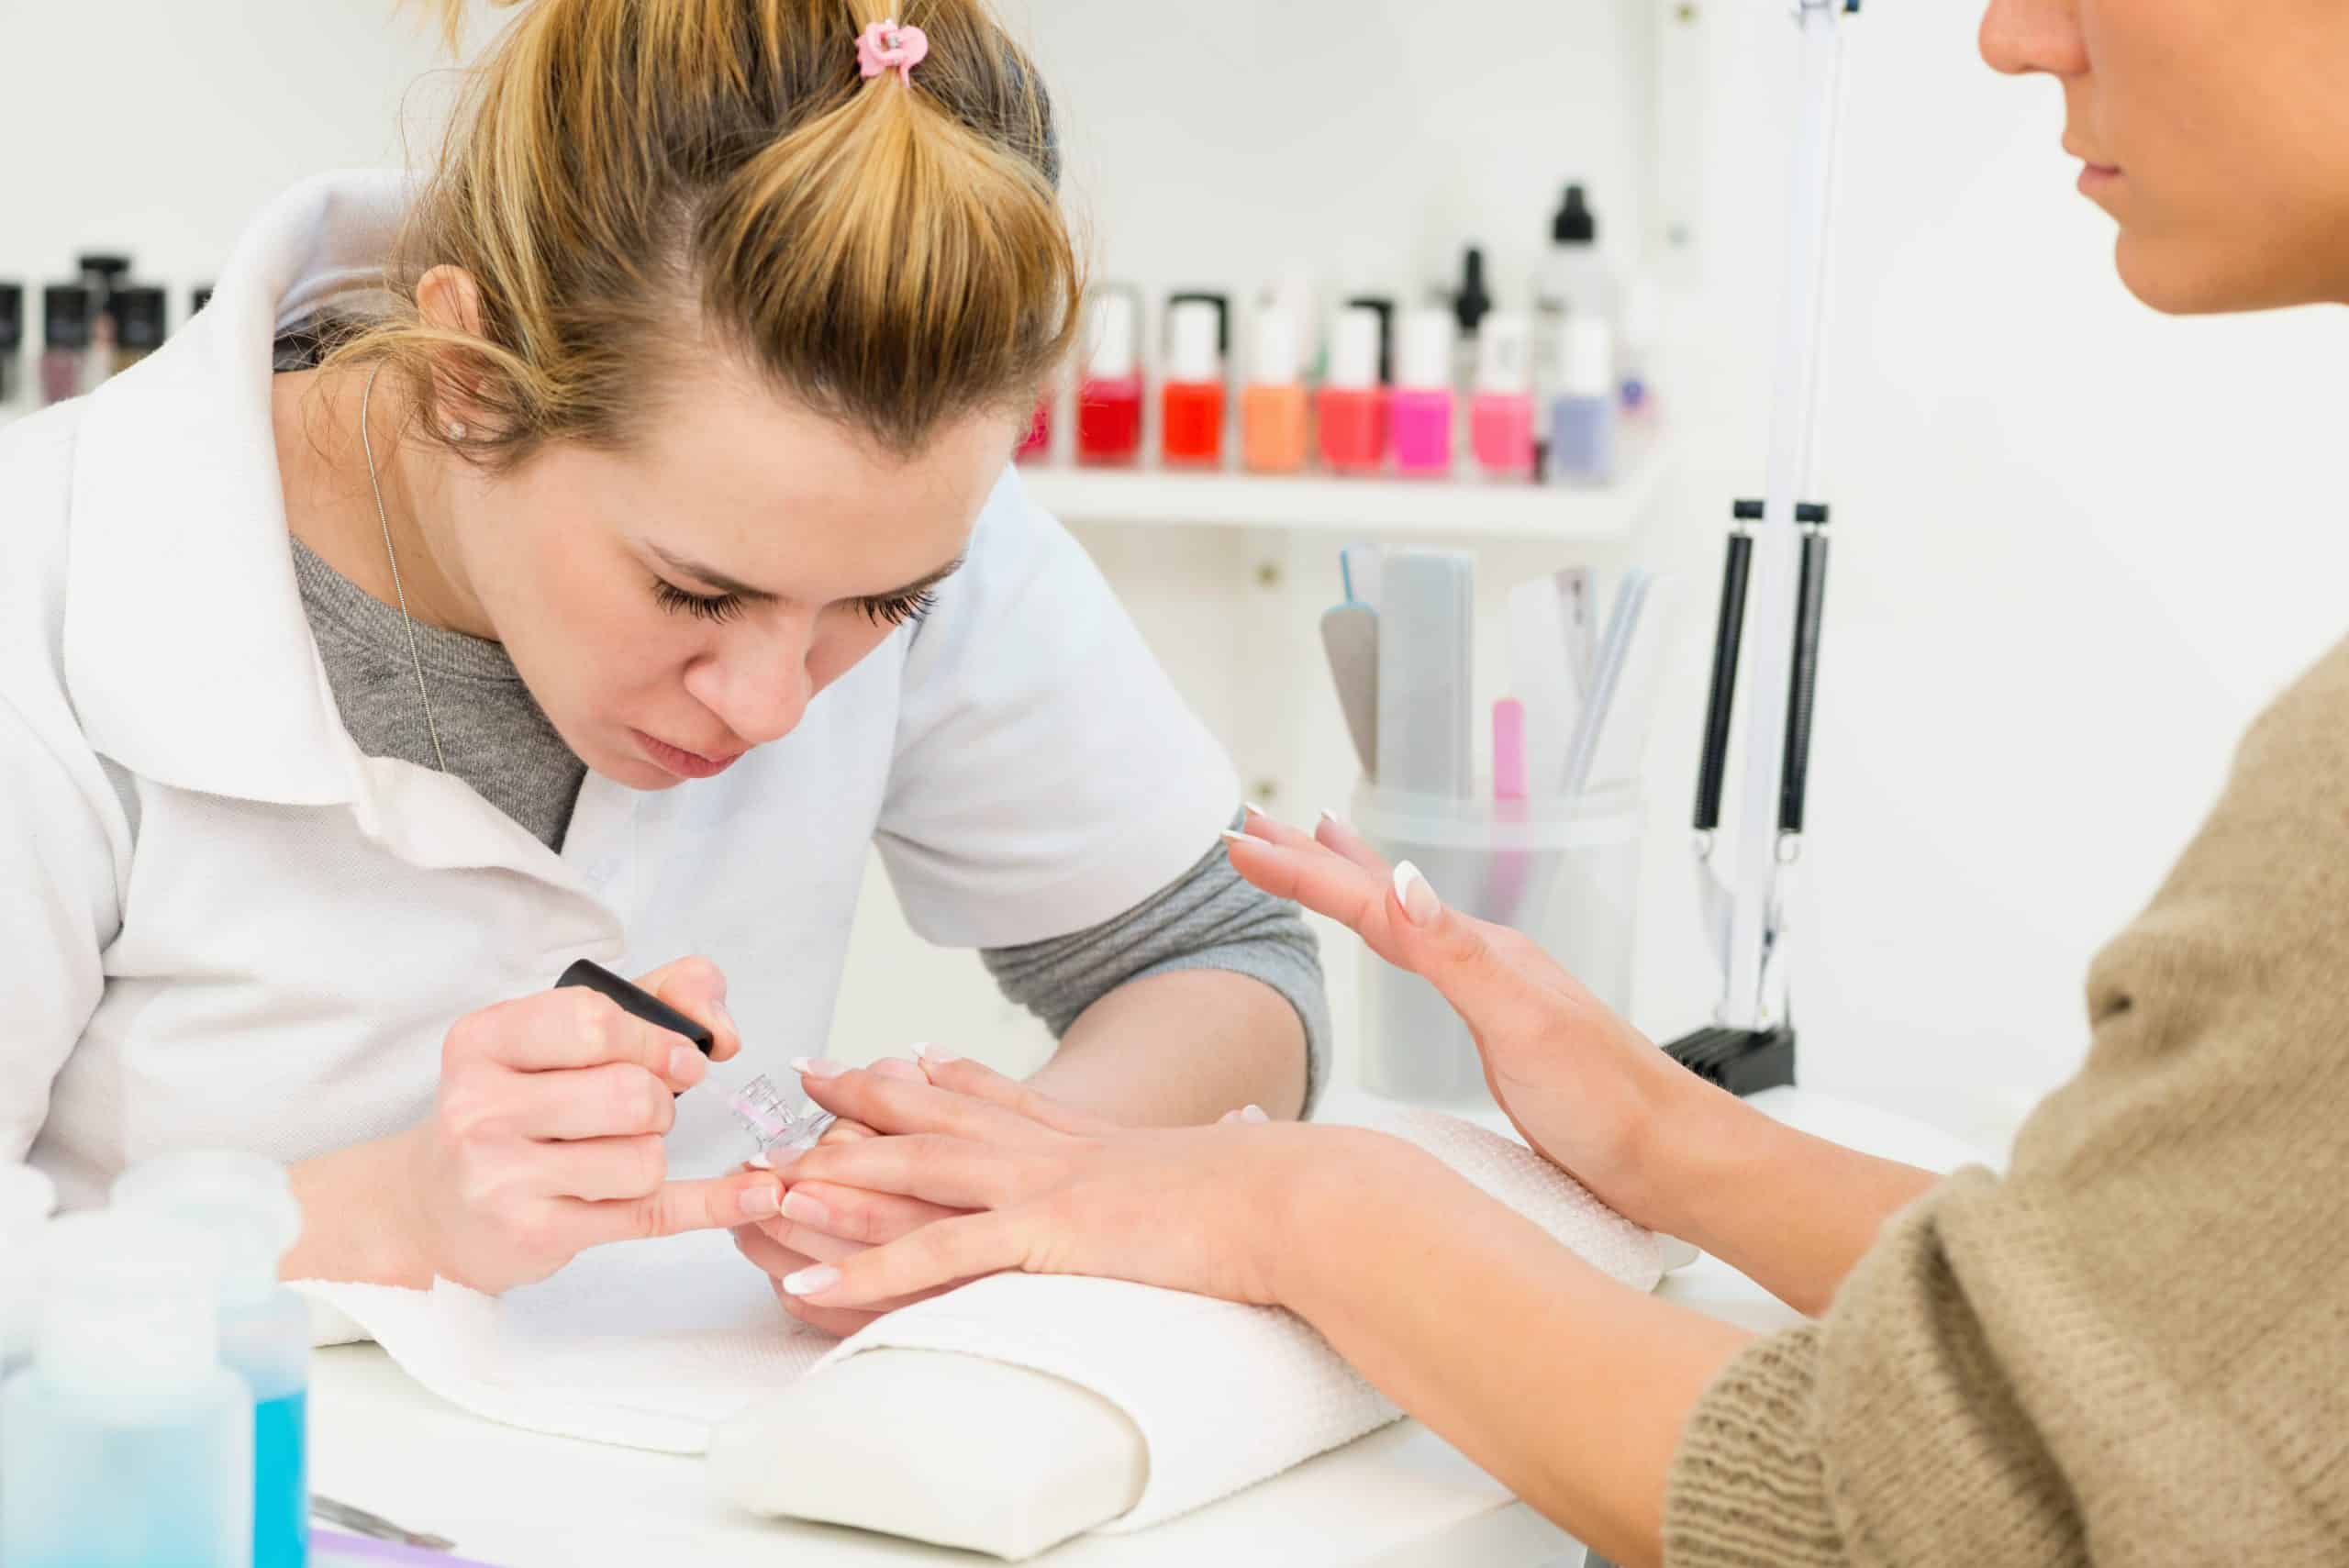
415,658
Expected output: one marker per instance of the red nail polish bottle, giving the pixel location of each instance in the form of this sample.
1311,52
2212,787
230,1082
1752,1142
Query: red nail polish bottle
1191,428
1352,404
1108,400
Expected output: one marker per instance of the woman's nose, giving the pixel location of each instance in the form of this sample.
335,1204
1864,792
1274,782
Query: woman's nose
2023,38
758,687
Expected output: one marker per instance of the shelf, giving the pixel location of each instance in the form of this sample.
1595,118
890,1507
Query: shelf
1453,508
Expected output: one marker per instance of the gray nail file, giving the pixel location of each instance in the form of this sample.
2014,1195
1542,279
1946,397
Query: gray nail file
1349,637
1426,615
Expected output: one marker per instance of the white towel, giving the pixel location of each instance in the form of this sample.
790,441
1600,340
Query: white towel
653,1346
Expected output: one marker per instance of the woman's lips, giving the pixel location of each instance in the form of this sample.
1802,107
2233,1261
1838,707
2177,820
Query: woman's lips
684,763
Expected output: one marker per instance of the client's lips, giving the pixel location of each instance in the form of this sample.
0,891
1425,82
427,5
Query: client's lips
684,763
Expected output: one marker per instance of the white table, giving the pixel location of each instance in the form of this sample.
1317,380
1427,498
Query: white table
1399,1498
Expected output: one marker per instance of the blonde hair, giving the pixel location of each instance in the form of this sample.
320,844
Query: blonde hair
631,183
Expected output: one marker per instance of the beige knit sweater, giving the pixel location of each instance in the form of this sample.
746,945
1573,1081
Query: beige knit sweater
2134,1348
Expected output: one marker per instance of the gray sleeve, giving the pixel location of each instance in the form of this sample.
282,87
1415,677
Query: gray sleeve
1206,919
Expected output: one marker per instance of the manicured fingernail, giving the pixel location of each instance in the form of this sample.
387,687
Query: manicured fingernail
686,1063
816,1067
1253,1113
933,1057
760,1202
1412,892
801,1208
896,1067
807,1282
1332,818
1234,836
1256,810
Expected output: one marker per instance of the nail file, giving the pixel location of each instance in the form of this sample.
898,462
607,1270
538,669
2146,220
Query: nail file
1426,611
1622,625
1542,676
1349,637
1622,740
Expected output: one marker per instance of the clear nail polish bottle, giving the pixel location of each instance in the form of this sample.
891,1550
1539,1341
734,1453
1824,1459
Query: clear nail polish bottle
771,1119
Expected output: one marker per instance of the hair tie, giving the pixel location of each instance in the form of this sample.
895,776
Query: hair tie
884,46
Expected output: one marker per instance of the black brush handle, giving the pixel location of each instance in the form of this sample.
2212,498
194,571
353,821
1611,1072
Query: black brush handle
637,1000
1729,635
1802,692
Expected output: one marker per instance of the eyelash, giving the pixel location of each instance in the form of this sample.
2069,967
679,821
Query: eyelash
723,607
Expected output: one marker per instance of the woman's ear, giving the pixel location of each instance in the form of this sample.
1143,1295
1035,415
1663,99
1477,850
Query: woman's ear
449,299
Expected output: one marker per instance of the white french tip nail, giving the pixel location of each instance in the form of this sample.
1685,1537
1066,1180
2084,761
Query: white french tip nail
1234,836
1256,810
1333,818
1405,874
1254,1114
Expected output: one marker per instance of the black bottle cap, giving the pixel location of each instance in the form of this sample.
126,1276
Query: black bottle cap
1575,224
1222,302
138,311
102,264
65,316
12,318
1386,308
198,297
1474,302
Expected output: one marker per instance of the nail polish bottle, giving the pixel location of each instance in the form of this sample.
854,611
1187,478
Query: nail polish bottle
138,311
1272,409
102,274
1472,305
65,340
1108,400
1037,444
1385,308
12,341
1191,426
1423,403
1353,404
1583,415
1500,418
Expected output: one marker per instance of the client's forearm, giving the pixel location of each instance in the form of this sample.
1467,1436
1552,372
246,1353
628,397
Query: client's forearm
1791,1211
1568,1386
1181,1048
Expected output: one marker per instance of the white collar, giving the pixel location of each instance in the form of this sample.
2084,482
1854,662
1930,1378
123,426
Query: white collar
185,646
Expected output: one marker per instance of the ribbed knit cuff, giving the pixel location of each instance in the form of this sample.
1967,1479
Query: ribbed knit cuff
1746,1488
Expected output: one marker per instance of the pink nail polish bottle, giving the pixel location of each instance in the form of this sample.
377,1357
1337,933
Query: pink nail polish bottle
1108,400
1352,404
1500,418
1422,407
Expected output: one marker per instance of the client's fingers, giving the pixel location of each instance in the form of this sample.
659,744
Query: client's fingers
950,1172
963,1076
930,1259
1338,834
1272,830
896,1106
852,1214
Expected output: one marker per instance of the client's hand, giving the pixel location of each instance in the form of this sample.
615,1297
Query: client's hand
1023,1183
830,1221
1582,1085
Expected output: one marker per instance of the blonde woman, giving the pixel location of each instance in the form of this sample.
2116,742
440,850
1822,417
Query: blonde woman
2131,1349
593,549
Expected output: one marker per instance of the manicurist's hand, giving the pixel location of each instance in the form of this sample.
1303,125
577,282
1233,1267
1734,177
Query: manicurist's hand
1026,1184
1582,1085
545,1139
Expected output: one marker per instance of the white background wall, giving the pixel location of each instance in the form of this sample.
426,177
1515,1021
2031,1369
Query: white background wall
2078,545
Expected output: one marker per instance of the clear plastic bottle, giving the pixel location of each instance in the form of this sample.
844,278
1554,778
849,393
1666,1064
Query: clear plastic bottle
129,1445
244,1205
777,1120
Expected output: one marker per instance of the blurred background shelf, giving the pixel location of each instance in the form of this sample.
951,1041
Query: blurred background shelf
1461,509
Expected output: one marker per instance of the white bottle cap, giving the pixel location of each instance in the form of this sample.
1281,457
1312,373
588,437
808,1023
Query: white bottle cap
1353,350
1115,338
243,1203
130,1305
1193,352
1586,358
1423,359
1505,354
1276,358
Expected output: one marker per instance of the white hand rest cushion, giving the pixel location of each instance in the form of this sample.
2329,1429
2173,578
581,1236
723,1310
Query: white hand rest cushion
1136,1403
